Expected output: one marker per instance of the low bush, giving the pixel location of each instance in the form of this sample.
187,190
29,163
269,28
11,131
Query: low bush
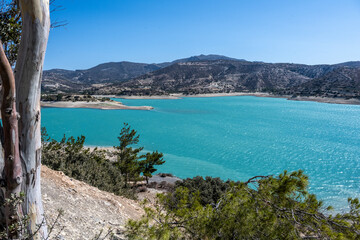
209,189
94,166
264,207
91,166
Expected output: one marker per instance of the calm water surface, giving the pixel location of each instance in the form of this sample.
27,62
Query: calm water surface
235,137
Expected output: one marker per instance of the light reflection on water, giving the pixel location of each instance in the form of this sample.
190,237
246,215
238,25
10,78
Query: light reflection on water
235,137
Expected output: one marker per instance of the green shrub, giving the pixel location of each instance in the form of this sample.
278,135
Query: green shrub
262,208
209,189
91,166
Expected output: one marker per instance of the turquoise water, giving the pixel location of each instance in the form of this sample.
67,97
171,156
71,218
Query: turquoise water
235,137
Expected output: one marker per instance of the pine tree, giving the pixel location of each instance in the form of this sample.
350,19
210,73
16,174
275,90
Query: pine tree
147,165
127,156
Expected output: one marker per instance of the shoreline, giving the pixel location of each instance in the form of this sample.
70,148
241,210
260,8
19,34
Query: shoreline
171,96
113,105
351,101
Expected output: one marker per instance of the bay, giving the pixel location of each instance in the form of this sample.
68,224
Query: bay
234,138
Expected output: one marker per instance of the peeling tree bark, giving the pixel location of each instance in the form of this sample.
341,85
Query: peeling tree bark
28,73
12,168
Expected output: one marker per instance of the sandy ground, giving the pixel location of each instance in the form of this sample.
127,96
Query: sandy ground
109,151
94,105
171,96
87,210
100,148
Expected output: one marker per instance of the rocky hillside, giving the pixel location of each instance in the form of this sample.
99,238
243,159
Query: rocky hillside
60,80
67,81
341,82
206,74
338,80
218,76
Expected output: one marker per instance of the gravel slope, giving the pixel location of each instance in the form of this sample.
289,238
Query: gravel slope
87,210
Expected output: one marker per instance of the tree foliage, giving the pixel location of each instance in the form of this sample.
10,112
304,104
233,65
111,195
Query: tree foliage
267,208
130,161
127,156
147,166
10,28
91,166
95,167
209,189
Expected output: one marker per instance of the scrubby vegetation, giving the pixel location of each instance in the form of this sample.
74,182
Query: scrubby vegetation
262,208
72,98
91,166
94,166
209,190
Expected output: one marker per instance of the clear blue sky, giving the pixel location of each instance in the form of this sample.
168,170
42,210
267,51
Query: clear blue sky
152,31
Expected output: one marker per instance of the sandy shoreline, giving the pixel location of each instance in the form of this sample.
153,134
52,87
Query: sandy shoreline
351,101
205,95
171,96
113,105
94,105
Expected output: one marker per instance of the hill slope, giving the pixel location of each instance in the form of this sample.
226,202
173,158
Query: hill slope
341,82
65,80
228,76
87,210
206,74
107,73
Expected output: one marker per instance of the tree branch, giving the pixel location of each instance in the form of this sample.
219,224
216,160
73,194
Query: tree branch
252,179
13,168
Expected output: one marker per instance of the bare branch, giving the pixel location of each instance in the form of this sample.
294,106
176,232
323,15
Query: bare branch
252,179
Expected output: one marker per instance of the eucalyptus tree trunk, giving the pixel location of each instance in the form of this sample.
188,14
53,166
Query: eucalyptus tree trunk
28,73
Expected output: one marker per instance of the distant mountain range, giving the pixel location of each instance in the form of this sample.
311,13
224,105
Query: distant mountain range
208,74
